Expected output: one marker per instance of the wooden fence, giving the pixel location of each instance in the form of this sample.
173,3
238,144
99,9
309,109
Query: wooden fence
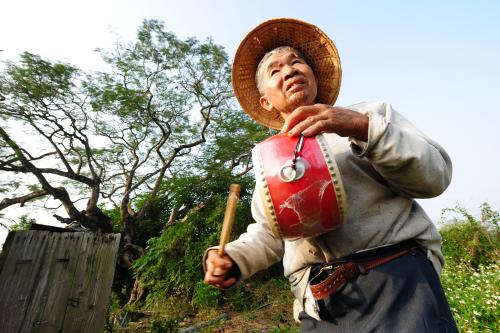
56,282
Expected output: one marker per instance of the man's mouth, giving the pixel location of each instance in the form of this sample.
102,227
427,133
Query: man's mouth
294,84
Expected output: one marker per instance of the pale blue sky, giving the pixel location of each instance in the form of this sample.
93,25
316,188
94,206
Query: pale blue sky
437,62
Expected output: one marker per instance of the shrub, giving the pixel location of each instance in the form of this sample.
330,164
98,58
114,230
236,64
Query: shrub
205,295
470,277
469,239
172,264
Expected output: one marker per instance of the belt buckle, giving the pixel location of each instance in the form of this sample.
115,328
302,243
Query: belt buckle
327,268
323,269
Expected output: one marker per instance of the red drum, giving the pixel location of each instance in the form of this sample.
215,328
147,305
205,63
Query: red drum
302,200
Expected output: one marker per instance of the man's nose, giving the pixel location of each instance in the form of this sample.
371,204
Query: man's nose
288,71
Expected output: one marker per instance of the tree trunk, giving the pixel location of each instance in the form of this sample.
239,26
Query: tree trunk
127,254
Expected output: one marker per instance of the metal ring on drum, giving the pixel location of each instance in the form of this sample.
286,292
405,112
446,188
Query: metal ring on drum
289,174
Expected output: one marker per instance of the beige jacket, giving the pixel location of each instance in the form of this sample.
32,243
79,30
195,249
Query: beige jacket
381,179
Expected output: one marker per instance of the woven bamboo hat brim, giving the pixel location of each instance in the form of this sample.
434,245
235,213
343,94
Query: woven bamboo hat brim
319,52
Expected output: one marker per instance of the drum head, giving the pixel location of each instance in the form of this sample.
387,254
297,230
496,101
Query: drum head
302,198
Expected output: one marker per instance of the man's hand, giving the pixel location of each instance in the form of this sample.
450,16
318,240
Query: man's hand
314,119
222,265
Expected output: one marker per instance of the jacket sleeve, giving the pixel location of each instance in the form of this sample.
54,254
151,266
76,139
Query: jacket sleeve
257,248
411,163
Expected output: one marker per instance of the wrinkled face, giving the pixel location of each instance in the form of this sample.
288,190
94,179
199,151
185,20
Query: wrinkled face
287,82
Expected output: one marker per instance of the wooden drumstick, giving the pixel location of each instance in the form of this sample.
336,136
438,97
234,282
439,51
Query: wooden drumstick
227,225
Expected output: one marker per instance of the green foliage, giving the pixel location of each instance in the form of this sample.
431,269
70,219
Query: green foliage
114,215
172,264
469,239
156,85
53,81
24,223
205,295
151,224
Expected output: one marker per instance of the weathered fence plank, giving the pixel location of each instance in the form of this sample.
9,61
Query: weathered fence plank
48,305
34,320
19,277
56,282
96,277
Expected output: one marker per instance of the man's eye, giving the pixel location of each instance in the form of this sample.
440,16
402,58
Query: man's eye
296,61
274,71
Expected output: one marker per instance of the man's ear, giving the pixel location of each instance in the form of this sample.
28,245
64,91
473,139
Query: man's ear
265,103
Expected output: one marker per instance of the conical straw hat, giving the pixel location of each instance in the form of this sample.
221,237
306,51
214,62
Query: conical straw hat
319,52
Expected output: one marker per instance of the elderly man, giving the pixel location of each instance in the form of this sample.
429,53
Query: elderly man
379,270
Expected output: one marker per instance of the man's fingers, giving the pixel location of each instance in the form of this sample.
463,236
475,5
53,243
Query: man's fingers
212,279
220,270
304,117
210,266
215,260
310,126
219,264
327,119
299,115
217,268
219,281
317,128
300,127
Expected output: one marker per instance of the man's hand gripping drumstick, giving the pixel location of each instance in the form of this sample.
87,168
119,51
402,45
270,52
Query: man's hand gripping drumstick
218,263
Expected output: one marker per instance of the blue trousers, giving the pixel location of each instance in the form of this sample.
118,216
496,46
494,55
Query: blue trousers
402,296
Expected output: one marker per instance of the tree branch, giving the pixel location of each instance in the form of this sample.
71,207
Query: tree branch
6,202
58,193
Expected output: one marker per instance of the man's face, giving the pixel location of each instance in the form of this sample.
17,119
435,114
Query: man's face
287,82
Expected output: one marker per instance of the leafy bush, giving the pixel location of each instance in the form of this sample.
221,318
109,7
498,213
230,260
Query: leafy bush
470,277
205,295
173,262
469,239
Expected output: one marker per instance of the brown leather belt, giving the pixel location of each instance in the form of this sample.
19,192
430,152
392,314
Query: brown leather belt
329,278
